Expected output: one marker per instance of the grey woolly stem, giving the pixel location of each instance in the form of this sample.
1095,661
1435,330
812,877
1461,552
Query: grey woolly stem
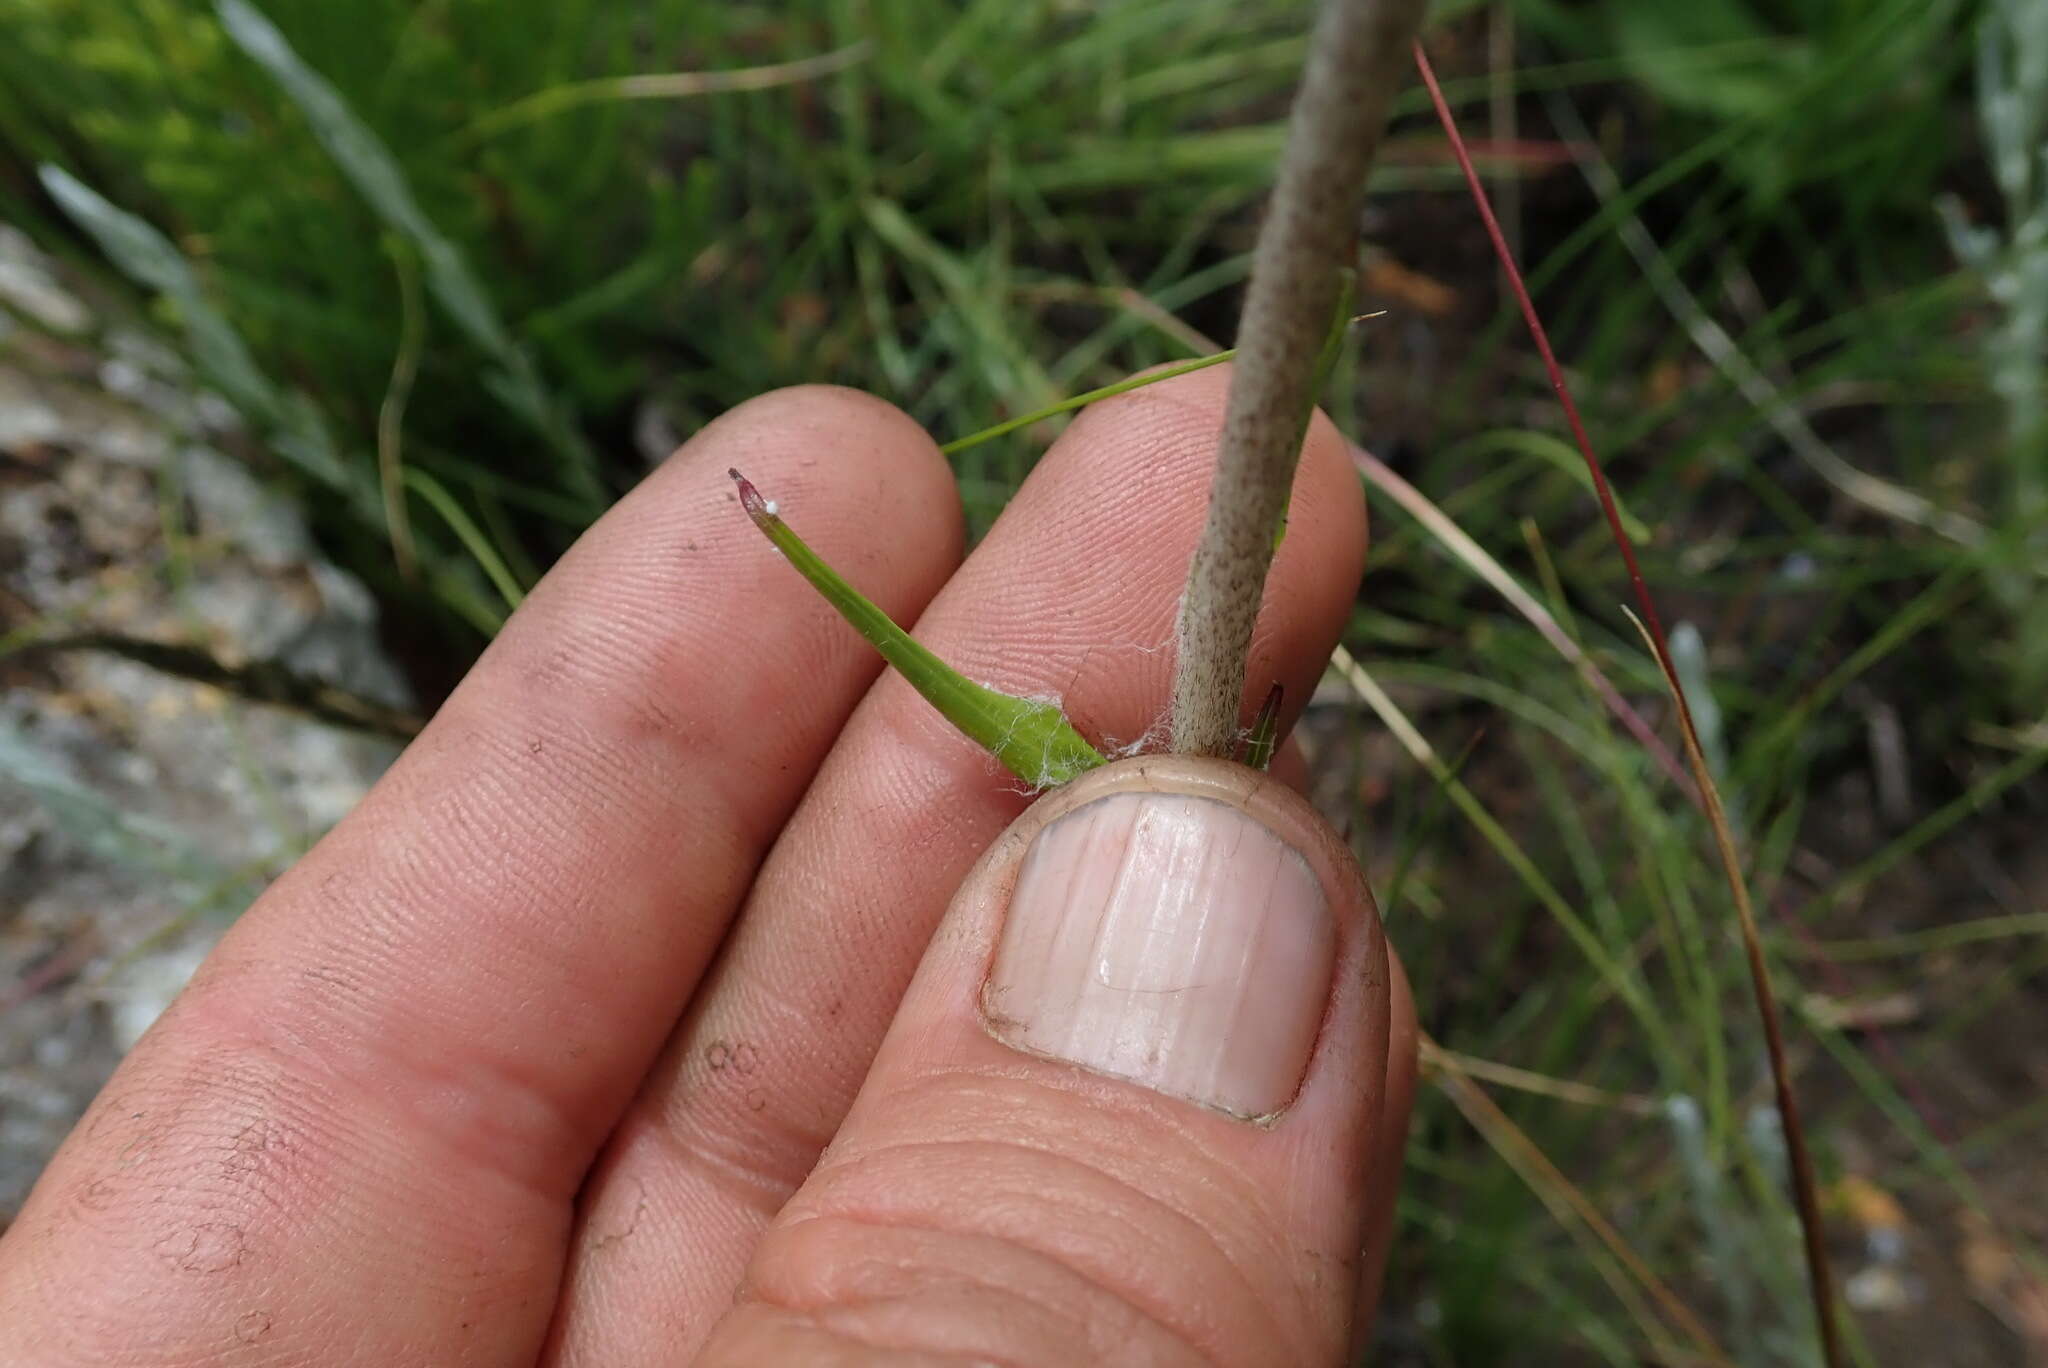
1309,238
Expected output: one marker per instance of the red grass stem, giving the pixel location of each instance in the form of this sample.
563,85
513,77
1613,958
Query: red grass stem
1804,1187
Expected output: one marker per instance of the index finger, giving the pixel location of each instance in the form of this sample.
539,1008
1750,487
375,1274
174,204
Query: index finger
356,1136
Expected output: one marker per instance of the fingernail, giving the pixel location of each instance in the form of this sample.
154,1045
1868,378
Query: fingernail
1170,940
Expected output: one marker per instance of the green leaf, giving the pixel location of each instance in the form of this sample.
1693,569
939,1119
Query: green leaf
1030,736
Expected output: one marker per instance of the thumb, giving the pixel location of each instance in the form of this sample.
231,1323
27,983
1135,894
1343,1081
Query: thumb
1130,1110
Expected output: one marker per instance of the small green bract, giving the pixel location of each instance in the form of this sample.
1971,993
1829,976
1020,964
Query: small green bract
1031,737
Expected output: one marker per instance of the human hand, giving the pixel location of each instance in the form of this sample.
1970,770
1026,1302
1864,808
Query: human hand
591,1037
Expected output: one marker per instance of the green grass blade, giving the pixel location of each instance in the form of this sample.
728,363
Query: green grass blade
667,85
1031,737
1265,737
148,258
1324,365
469,534
1008,426
971,294
375,173
1621,975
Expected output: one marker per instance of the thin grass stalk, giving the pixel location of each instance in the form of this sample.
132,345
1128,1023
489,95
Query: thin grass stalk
470,535
1614,973
663,85
1559,1193
1440,524
1805,1189
1435,1056
1860,486
405,366
1912,944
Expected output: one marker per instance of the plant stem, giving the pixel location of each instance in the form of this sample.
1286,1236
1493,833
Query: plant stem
1805,1187
1356,60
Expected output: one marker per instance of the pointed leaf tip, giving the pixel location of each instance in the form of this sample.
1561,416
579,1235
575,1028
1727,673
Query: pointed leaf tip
758,508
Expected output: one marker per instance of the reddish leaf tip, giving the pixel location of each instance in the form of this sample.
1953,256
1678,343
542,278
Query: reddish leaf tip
757,507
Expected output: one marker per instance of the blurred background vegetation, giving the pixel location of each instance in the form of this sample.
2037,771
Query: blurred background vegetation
463,268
